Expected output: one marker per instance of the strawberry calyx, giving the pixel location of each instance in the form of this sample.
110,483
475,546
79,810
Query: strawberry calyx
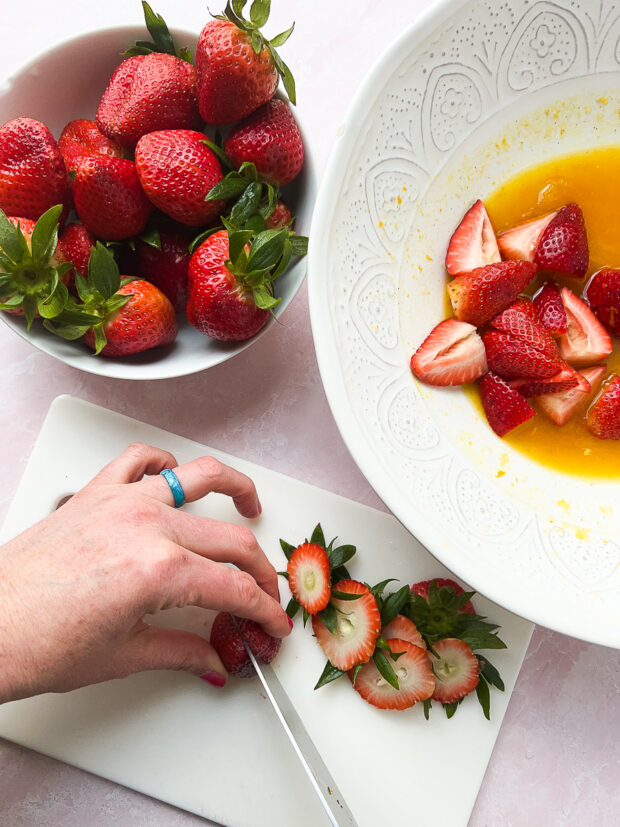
162,39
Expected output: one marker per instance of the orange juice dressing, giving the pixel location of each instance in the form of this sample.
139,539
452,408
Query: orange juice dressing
589,179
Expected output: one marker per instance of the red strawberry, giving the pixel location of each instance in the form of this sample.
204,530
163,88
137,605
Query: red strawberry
415,678
80,138
586,341
504,407
563,246
166,267
280,217
177,170
270,139
359,624
513,358
473,243
423,586
76,243
108,197
550,309
481,294
604,415
456,669
565,379
451,354
560,407
521,242
227,638
404,629
520,321
33,177
309,577
603,295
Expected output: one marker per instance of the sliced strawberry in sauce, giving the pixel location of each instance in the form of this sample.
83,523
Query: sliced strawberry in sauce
473,243
505,407
520,320
560,407
563,380
563,246
604,416
485,292
451,354
513,358
550,309
586,341
603,295
522,241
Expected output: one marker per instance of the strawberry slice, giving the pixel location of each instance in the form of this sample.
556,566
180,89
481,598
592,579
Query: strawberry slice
563,380
513,358
563,246
560,407
504,407
404,629
521,242
486,291
456,670
309,577
358,627
452,353
586,341
520,320
603,295
473,243
423,586
413,670
550,309
604,416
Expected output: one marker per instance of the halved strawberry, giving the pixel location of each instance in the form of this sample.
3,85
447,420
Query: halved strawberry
520,320
452,353
423,586
603,295
604,416
513,358
563,246
504,407
586,341
521,242
456,669
550,309
565,379
309,577
473,243
414,673
486,291
358,626
404,629
560,407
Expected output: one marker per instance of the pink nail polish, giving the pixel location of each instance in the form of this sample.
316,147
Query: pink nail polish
290,622
214,678
260,508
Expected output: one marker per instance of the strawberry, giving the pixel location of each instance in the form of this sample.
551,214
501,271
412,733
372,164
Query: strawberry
309,577
456,670
280,217
586,341
520,243
164,263
33,177
452,353
604,415
413,672
550,309
403,629
227,638
80,138
108,197
76,243
473,243
270,139
177,171
603,295
486,291
504,407
236,67
560,407
422,589
513,358
520,320
565,379
563,246
357,626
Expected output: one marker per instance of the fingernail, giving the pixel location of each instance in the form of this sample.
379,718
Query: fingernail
260,508
214,678
290,622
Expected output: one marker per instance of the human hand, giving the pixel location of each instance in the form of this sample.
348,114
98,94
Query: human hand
75,587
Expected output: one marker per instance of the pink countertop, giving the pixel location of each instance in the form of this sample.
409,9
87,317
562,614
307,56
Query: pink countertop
557,757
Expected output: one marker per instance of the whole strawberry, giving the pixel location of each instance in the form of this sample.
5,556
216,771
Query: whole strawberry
177,170
164,264
237,68
76,242
80,138
33,177
108,197
271,140
227,638
280,217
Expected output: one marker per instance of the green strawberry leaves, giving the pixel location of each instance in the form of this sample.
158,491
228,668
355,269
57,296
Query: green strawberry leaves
162,39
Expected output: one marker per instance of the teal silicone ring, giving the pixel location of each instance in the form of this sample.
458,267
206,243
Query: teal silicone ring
175,487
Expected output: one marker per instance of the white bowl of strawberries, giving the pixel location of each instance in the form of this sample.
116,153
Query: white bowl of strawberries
190,182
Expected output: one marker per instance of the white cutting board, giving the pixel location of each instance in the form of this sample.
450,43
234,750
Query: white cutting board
222,753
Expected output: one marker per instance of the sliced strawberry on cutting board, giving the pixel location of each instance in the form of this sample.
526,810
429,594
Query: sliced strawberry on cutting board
456,669
473,243
486,291
520,243
563,380
513,358
452,353
358,626
413,670
603,295
550,309
586,341
563,246
504,407
520,320
604,416
560,407
309,577
423,587
404,629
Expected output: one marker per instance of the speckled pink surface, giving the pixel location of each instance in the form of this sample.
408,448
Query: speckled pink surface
557,758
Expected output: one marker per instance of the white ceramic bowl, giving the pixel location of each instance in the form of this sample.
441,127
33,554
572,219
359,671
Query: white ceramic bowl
81,68
470,94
